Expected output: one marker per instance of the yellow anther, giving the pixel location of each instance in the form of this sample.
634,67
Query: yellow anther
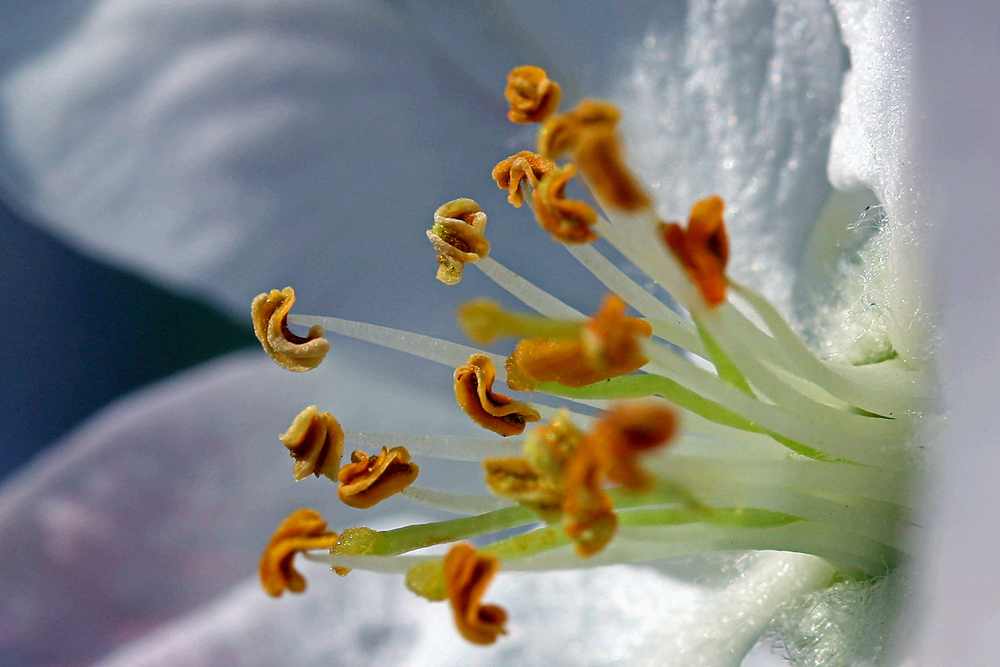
495,412
517,480
353,542
484,321
588,133
458,235
548,447
368,480
303,530
270,322
608,346
316,442
467,573
626,431
568,220
703,248
525,166
532,96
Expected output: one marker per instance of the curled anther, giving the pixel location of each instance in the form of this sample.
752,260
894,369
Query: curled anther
516,479
525,166
532,96
608,346
588,133
568,220
303,530
495,412
467,574
316,442
702,248
626,431
458,235
368,480
270,322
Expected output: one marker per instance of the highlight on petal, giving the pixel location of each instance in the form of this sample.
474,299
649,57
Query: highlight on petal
626,431
608,346
495,412
467,573
568,220
458,235
532,96
524,166
703,248
304,529
270,323
316,442
368,480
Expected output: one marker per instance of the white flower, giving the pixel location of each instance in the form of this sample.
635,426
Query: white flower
73,504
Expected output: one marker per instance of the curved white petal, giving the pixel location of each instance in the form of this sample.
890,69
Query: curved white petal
165,499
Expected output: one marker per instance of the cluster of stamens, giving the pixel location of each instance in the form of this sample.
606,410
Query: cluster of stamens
772,448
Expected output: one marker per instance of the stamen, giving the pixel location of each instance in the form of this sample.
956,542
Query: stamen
458,237
588,132
703,248
624,432
295,353
516,479
533,97
467,573
316,442
484,321
303,529
368,480
588,514
495,412
568,220
524,166
608,346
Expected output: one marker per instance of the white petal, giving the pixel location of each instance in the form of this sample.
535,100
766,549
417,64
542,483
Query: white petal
165,499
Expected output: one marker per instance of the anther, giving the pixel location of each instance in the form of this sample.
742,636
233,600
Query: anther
588,133
303,530
316,442
458,235
368,480
495,412
525,166
588,513
608,346
703,248
270,322
568,220
532,96
626,431
467,573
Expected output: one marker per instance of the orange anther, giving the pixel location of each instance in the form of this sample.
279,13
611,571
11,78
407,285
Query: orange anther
532,96
495,412
703,248
270,322
568,220
303,530
608,346
368,480
525,166
626,431
467,573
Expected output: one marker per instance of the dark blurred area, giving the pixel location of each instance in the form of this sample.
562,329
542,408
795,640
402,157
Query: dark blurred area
79,334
